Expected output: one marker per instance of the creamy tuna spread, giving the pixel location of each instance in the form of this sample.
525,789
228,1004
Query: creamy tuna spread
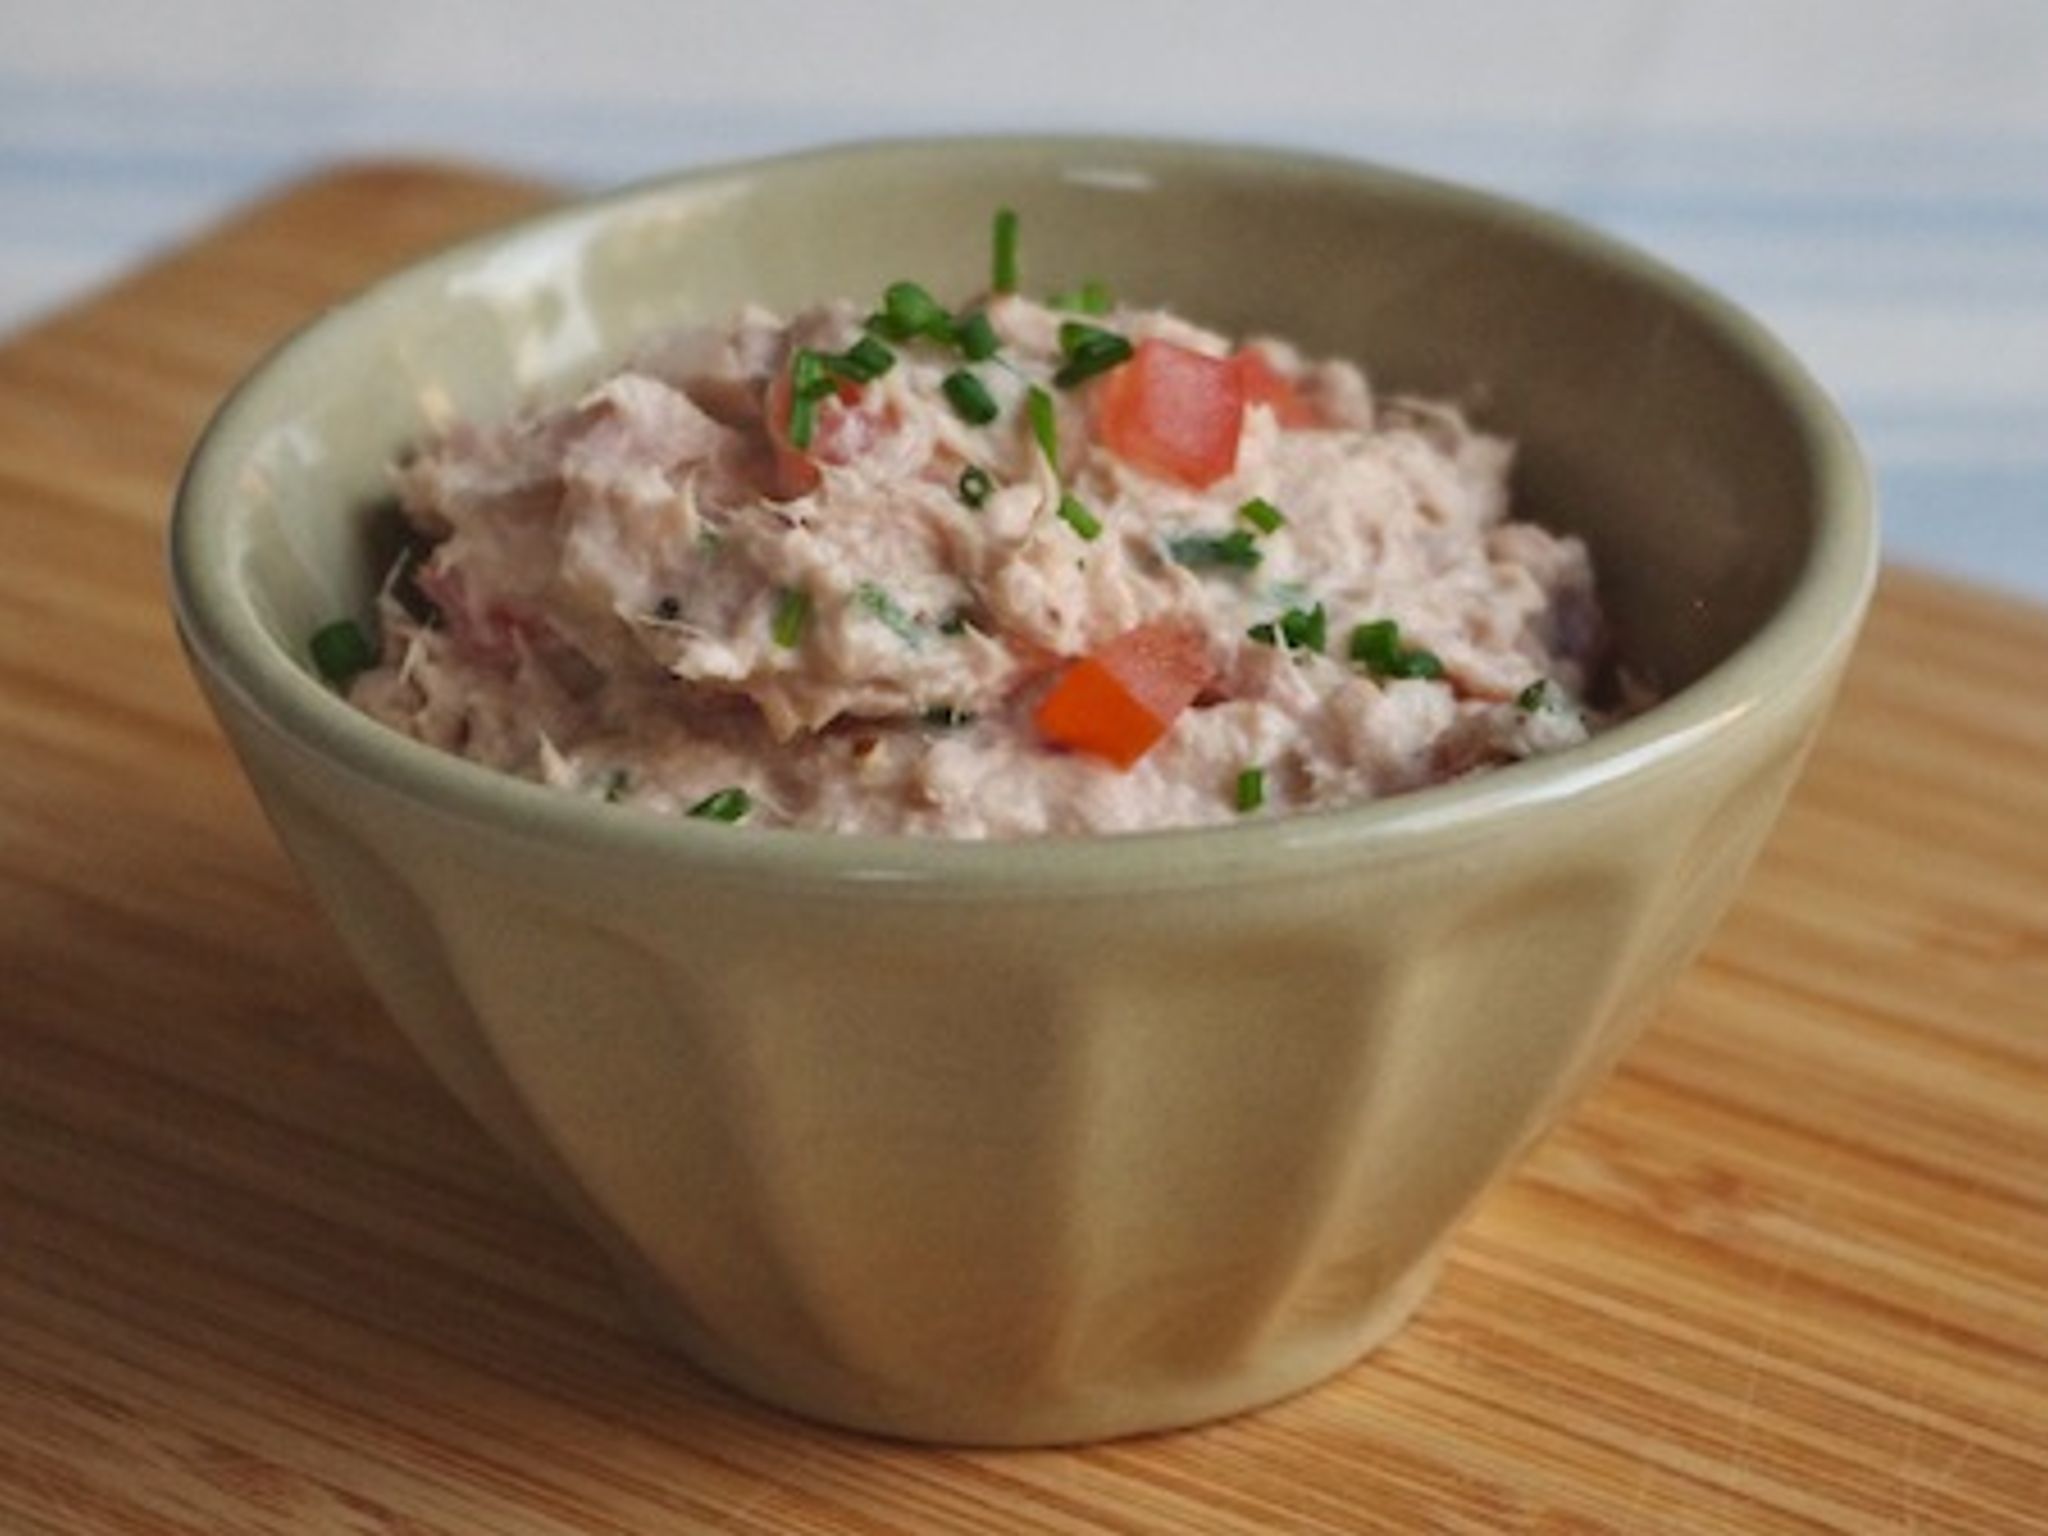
1011,569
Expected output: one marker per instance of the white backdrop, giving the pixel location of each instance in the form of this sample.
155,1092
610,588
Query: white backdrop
1870,176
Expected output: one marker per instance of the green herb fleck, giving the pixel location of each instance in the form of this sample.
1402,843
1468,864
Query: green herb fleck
948,717
1377,647
879,605
1091,298
1044,425
976,337
1236,549
669,609
808,384
1251,790
728,805
792,617
1299,629
1003,277
863,362
975,486
1088,350
1079,518
616,783
341,652
1533,697
970,398
908,312
1262,515
954,623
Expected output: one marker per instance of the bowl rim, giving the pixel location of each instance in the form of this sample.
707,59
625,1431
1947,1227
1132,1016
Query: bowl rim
1798,648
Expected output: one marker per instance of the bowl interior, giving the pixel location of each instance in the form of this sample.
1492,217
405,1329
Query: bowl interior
1652,419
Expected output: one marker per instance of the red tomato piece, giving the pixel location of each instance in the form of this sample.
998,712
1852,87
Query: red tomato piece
1118,702
1173,412
1263,384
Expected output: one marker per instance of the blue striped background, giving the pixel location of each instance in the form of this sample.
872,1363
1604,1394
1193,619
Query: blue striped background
1910,269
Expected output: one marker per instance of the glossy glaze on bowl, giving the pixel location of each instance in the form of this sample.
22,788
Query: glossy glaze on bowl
1049,1142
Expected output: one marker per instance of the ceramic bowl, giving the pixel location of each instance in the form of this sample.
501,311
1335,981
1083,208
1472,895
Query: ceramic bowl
1069,1139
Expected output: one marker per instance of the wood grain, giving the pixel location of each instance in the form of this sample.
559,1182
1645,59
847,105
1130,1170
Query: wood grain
1788,1272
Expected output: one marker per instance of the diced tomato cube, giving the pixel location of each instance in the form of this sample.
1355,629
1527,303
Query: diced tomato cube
1118,702
1173,412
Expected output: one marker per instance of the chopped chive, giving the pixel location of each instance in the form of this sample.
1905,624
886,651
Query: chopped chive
975,337
1044,425
341,652
1298,629
615,786
1088,350
879,605
1533,697
948,716
1079,518
975,486
863,362
1251,790
792,616
1236,549
1261,514
969,397
908,311
1091,298
808,384
728,805
954,623
1003,278
1377,647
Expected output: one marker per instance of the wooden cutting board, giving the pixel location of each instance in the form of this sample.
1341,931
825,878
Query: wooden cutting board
1788,1272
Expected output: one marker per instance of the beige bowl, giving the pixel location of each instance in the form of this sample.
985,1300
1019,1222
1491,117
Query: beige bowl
1074,1139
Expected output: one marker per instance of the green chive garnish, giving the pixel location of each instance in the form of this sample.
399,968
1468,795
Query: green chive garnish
615,786
1533,697
970,398
908,312
1236,549
808,384
1003,279
1091,298
976,337
1079,518
948,717
1261,514
1044,425
975,486
792,615
727,805
1088,350
880,605
1251,790
1377,647
863,362
1299,629
341,652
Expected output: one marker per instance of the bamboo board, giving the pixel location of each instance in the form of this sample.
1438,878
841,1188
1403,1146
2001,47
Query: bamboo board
1787,1272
